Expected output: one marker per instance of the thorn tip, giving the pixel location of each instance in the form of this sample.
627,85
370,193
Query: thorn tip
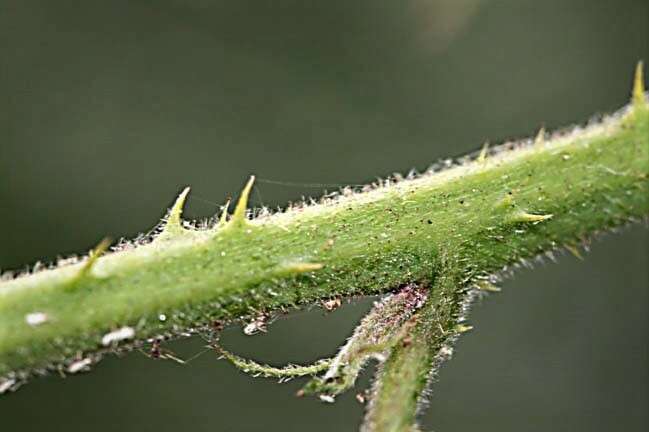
177,209
482,157
94,255
539,140
224,213
462,328
637,95
575,251
523,216
173,222
239,215
300,267
487,286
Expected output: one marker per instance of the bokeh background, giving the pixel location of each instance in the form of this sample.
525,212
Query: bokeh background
108,108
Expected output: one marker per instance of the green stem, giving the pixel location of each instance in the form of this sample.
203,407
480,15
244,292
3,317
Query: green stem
262,370
401,380
521,200
374,337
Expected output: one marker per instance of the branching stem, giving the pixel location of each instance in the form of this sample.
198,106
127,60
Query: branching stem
517,201
401,381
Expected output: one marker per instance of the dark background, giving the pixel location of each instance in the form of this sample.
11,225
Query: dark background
108,108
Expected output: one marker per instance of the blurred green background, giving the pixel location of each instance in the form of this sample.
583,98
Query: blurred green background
109,108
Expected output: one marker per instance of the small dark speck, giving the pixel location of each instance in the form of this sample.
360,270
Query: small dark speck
430,222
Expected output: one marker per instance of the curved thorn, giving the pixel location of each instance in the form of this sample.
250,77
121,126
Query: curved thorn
487,286
574,250
177,209
523,216
461,328
539,140
300,267
173,224
94,254
482,157
239,215
637,95
224,213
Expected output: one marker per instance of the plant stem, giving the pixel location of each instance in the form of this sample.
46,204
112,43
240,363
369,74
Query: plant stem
375,336
400,383
520,200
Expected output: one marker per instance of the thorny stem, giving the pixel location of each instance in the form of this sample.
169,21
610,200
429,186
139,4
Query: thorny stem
449,230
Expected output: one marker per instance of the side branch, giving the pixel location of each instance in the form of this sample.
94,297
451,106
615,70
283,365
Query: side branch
399,386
